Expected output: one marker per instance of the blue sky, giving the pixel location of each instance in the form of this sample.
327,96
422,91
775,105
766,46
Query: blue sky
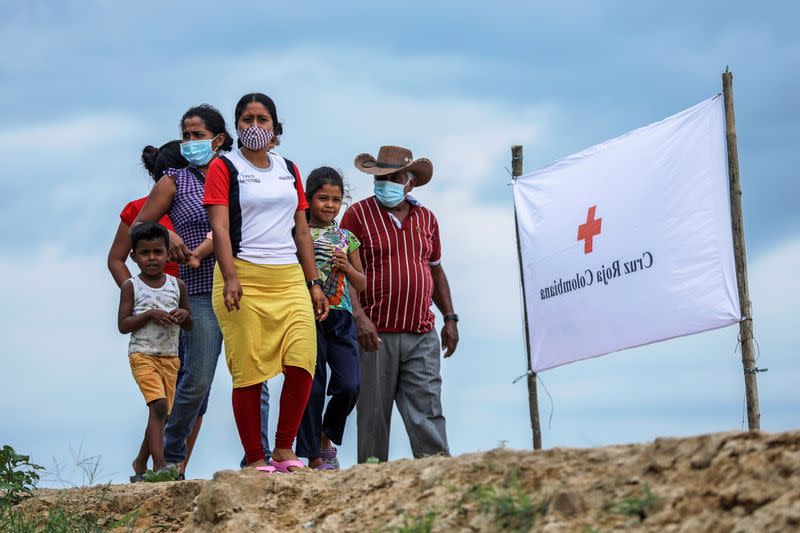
85,85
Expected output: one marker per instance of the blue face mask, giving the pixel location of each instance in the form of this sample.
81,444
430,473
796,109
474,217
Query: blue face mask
390,193
198,153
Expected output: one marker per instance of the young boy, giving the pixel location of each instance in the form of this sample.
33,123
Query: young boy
152,308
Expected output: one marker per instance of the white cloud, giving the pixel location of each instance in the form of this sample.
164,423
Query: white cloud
65,139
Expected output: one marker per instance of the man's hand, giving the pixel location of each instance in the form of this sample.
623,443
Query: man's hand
162,317
180,315
449,337
368,336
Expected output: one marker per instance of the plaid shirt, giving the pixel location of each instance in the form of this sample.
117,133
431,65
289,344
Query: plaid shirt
191,223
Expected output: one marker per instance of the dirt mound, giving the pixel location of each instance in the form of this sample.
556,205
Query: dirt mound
722,482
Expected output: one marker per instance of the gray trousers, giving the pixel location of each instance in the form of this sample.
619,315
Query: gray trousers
404,370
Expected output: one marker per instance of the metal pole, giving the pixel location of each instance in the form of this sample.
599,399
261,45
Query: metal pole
746,325
533,400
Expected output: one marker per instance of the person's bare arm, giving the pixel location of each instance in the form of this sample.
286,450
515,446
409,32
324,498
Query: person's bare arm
223,250
158,204
443,301
350,266
118,254
367,333
128,322
305,252
183,314
203,250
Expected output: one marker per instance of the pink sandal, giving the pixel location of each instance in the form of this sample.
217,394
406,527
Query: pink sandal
284,466
267,469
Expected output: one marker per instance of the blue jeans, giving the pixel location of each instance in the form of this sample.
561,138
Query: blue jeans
182,371
264,426
203,344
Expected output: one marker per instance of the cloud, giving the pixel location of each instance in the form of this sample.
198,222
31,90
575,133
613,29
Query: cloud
65,140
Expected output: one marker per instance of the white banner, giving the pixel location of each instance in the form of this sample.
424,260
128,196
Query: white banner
629,242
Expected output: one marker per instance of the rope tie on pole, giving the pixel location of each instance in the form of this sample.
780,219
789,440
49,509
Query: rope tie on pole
526,374
539,379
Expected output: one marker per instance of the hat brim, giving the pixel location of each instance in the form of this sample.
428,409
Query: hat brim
422,168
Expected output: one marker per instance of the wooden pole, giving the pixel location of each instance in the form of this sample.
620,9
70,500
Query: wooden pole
533,400
746,325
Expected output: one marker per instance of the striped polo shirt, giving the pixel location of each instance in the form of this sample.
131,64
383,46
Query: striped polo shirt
261,206
397,262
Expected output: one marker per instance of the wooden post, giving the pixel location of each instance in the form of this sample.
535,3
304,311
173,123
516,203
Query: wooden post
533,400
746,325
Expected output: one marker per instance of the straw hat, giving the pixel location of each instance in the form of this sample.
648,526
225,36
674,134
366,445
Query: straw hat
393,159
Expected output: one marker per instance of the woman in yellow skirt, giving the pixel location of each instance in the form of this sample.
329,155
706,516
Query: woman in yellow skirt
265,300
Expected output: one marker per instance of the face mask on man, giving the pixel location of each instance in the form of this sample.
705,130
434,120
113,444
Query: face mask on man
255,138
389,193
198,153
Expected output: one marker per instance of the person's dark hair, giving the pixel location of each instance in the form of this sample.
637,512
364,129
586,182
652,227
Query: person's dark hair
277,127
158,160
148,231
319,177
323,176
213,121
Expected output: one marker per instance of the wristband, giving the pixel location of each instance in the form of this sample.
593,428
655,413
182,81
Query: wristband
313,282
453,317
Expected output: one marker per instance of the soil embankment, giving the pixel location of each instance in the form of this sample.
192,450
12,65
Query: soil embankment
721,482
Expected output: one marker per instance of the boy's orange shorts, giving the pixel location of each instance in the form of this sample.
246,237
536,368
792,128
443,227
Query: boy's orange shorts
155,375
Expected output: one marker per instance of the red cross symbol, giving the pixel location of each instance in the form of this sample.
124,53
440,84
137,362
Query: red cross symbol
589,230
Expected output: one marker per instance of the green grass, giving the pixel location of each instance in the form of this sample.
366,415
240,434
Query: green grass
166,474
59,520
18,479
415,524
634,506
511,507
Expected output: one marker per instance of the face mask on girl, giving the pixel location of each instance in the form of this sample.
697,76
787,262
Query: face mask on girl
255,138
390,193
198,153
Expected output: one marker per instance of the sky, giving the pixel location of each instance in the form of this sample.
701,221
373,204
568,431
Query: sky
84,86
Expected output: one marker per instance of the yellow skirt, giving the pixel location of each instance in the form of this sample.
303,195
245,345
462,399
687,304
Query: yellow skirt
274,326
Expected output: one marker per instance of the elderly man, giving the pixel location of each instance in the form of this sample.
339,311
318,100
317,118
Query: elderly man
401,255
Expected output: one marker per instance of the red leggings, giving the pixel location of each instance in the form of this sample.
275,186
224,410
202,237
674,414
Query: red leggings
247,412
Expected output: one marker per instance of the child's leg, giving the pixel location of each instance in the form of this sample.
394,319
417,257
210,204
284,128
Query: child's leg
140,462
198,423
294,396
345,381
247,413
308,436
155,431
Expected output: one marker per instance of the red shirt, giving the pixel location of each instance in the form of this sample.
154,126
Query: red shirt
397,263
129,214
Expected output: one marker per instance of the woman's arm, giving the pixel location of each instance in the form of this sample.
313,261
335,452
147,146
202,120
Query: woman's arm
118,254
203,250
220,228
158,204
305,252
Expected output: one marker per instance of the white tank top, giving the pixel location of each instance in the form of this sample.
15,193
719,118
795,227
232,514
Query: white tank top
153,338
